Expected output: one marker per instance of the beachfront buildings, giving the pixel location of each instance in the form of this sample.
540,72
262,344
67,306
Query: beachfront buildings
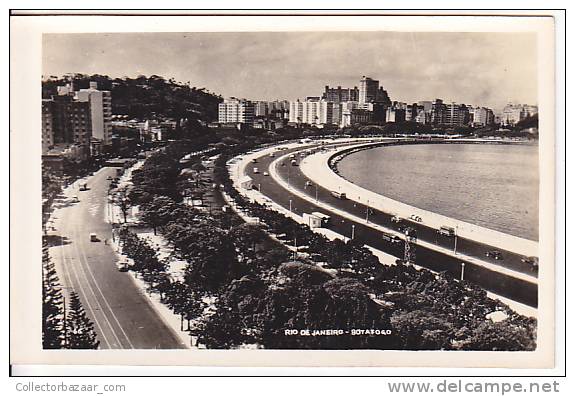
513,113
481,116
313,111
236,111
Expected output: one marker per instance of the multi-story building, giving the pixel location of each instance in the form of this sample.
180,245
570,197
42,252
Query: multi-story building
66,122
47,125
274,109
101,112
513,113
395,114
368,88
456,114
481,116
312,111
438,112
339,94
236,111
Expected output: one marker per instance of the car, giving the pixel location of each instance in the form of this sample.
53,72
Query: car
109,178
391,238
266,174
447,231
256,170
93,237
495,254
75,198
308,183
123,266
396,219
533,262
415,218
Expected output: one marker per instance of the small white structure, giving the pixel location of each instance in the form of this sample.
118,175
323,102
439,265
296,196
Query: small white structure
312,220
246,182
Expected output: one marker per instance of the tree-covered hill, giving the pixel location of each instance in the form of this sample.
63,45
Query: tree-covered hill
145,97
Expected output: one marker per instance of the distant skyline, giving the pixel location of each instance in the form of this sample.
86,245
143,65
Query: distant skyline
486,69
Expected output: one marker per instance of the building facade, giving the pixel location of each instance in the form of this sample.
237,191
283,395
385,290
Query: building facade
101,112
238,111
313,111
339,94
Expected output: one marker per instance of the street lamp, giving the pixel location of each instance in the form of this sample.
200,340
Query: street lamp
462,270
455,242
290,205
315,192
352,231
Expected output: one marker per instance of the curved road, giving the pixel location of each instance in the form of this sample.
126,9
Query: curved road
504,285
123,318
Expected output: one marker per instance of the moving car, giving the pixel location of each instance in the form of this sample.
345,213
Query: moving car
93,237
266,174
308,184
75,198
532,261
339,195
123,266
495,254
391,238
256,170
447,231
396,219
415,218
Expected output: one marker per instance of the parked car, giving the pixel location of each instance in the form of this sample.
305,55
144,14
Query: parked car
415,218
396,219
339,195
75,198
123,266
93,237
495,254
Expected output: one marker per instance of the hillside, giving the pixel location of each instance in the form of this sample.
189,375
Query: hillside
145,97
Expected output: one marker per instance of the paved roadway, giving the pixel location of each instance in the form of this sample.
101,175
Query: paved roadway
504,285
123,317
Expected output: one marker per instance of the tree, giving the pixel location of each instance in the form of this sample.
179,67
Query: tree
158,212
52,305
121,198
79,327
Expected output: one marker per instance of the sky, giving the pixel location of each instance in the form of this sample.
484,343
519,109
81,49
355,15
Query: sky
486,69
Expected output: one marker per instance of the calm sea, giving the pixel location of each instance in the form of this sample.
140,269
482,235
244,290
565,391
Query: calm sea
494,186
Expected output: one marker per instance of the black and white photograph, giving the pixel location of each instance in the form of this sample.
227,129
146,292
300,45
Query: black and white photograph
380,189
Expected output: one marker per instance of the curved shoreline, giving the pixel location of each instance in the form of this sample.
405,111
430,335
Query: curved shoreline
335,160
318,168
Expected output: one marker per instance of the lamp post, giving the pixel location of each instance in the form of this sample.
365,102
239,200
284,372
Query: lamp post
455,242
352,231
462,270
367,212
315,192
290,205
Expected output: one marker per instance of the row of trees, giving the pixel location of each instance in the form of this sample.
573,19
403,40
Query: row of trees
63,327
260,293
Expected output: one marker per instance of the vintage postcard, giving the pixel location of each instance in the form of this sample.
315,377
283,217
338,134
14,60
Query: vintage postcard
288,190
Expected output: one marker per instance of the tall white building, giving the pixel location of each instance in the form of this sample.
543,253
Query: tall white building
238,111
482,116
313,112
100,111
